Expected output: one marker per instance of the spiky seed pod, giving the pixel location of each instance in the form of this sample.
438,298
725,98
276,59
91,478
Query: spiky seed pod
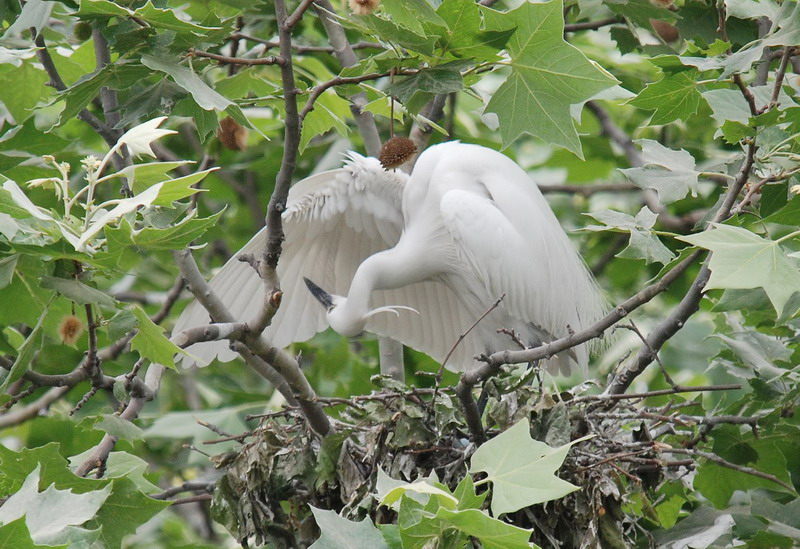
364,7
70,329
396,151
232,135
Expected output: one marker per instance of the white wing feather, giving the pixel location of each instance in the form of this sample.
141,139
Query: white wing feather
333,221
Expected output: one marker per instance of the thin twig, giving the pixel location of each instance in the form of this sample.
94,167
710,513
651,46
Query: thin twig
226,60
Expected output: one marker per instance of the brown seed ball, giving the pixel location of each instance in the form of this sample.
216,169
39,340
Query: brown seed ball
364,7
232,135
396,151
70,329
667,32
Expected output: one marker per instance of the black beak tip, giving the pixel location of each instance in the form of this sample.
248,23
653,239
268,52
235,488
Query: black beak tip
321,295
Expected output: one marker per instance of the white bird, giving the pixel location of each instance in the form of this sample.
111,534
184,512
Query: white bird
467,226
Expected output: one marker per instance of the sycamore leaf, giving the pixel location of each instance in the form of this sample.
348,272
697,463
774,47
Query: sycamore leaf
445,498
643,243
151,343
743,260
15,534
122,207
674,97
138,138
548,75
492,533
180,187
142,176
465,35
50,513
671,173
521,469
339,533
22,201
187,79
156,17
26,352
77,291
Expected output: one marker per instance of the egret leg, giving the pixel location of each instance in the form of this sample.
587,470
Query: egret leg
391,358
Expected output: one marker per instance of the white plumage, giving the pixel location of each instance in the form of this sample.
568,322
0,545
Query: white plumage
466,227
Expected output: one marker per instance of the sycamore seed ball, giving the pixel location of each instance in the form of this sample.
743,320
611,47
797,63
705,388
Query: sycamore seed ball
364,7
396,151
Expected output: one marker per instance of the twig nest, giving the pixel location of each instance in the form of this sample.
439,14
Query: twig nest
396,151
232,135
364,7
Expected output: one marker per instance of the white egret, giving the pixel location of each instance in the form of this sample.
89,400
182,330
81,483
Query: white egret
467,226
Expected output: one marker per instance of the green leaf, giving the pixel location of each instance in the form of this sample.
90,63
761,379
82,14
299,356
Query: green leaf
386,30
493,533
23,88
640,11
718,483
124,511
423,487
174,237
788,215
436,80
15,534
521,469
79,292
411,14
121,208
156,17
151,343
118,427
7,266
26,352
330,112
81,93
465,35
671,173
674,97
339,533
743,260
142,176
48,514
466,496
643,244
187,79
548,75
733,132
180,187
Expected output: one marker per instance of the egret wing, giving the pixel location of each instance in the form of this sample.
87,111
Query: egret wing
514,245
333,221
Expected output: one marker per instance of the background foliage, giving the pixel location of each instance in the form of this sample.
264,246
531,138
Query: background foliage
676,126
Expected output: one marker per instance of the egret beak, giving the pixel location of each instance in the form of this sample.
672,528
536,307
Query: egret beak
322,296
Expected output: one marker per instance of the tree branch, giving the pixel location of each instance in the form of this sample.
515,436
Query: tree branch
226,60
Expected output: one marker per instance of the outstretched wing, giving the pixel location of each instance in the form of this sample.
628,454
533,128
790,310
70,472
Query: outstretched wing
333,221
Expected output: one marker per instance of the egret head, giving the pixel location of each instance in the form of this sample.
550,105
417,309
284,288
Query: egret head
342,318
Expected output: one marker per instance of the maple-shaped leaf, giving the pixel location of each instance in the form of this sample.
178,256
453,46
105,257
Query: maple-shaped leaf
521,469
671,173
743,260
673,97
339,533
465,35
548,75
644,244
52,516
